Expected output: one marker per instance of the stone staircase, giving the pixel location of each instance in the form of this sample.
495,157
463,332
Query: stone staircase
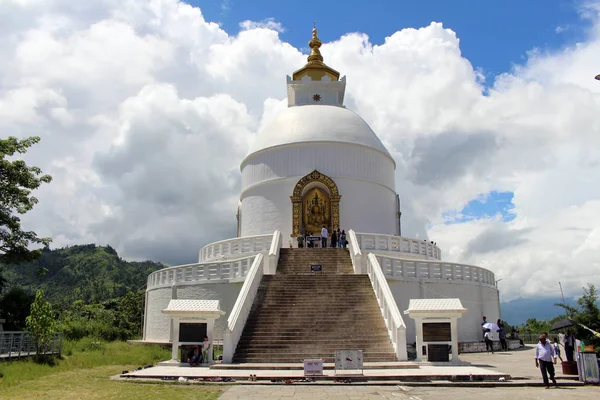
298,314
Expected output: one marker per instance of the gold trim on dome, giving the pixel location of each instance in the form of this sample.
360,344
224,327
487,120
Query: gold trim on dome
334,197
315,68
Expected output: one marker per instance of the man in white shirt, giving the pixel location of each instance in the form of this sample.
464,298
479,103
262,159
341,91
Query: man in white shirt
545,358
324,235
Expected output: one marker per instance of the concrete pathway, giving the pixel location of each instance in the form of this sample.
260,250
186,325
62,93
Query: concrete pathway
518,363
257,392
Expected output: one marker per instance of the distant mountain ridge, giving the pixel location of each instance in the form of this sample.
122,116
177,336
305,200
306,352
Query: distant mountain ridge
86,272
518,311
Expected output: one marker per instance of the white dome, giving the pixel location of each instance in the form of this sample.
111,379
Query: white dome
317,123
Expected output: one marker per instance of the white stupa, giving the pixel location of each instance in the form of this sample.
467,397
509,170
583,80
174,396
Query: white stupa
319,164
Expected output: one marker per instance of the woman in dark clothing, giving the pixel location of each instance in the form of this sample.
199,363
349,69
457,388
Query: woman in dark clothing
333,239
343,239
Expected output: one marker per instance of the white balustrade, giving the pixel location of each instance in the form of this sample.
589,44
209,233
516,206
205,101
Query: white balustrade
230,270
356,255
235,247
399,244
239,314
407,269
241,309
389,309
273,256
385,299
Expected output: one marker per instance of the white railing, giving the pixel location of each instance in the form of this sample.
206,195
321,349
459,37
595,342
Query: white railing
235,247
399,244
239,314
358,261
408,269
274,250
389,308
229,270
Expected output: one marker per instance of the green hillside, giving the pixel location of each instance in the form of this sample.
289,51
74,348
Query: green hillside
89,273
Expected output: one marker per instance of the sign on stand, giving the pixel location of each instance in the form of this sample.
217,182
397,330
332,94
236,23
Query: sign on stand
349,360
313,367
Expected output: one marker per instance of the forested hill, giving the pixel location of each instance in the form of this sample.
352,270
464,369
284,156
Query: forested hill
88,272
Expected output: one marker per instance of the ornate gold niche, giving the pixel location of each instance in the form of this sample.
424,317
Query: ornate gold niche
327,209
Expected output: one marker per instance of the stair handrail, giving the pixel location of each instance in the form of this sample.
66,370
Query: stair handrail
356,255
389,309
274,250
241,309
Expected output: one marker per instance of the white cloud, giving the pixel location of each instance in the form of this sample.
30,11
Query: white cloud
267,23
145,111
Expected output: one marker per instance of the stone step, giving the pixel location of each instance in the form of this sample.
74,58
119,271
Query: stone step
350,345
301,341
309,310
294,358
298,314
285,317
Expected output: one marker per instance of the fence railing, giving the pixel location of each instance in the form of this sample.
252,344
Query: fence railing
229,270
15,344
235,247
399,244
407,269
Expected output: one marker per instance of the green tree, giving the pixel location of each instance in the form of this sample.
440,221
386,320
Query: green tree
40,322
17,180
586,313
14,307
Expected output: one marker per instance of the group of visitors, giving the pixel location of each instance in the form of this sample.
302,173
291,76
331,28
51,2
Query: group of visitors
547,351
487,335
336,239
199,356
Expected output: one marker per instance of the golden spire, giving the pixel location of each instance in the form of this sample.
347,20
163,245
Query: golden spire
315,68
315,43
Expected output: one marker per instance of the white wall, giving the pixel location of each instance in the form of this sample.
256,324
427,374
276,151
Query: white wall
365,207
157,325
226,293
479,300
344,160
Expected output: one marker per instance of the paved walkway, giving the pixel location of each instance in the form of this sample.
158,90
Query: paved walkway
247,392
518,363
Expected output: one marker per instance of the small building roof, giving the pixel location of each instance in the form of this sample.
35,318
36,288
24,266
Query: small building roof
435,306
186,306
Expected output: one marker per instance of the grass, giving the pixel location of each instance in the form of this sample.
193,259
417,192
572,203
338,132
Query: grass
84,371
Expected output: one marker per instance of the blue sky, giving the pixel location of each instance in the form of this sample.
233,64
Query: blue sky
494,35
487,206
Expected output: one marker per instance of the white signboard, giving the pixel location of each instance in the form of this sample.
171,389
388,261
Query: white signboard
313,367
348,359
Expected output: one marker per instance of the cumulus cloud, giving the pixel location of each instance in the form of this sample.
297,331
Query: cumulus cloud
146,109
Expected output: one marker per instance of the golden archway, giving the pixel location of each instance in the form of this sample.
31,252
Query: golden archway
297,198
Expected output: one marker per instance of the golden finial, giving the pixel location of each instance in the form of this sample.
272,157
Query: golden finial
315,68
315,43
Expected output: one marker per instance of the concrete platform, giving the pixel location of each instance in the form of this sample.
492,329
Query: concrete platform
300,366
425,373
